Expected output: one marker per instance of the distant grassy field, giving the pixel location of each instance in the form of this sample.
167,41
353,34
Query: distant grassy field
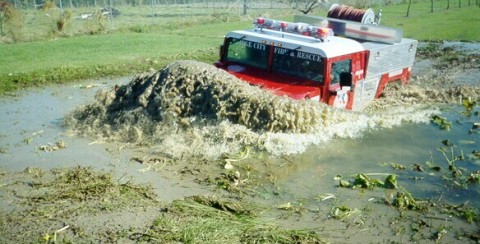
136,42
455,24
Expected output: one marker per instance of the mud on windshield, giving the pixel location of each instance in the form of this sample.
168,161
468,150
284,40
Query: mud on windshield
285,61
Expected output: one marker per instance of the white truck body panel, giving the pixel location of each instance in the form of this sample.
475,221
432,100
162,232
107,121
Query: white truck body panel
388,59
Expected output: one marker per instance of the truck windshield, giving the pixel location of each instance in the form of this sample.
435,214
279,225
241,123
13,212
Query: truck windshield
247,52
298,63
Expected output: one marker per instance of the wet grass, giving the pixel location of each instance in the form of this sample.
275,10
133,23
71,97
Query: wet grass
40,202
49,206
208,220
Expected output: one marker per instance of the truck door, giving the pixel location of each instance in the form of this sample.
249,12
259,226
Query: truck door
339,95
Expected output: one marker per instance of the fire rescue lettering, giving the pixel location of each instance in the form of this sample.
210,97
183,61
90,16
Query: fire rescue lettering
254,45
298,54
309,56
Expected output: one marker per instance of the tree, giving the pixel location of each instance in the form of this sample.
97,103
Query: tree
304,6
12,20
3,10
408,8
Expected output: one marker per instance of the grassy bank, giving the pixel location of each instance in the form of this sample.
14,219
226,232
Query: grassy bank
122,48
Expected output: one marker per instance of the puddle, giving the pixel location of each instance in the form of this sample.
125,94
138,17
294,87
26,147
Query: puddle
374,154
31,128
306,196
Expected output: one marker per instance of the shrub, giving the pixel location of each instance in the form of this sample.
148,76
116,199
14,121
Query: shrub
12,20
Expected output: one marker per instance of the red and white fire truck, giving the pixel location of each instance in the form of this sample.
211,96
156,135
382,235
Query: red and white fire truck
345,59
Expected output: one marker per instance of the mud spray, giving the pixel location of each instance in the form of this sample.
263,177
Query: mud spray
194,110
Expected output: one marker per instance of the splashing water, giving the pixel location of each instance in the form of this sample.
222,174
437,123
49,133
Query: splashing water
192,108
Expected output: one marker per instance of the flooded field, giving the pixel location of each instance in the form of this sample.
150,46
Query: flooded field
406,169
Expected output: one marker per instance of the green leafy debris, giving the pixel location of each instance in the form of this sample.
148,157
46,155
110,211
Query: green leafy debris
447,143
202,219
363,181
398,166
431,165
340,212
405,200
463,210
441,122
469,105
391,182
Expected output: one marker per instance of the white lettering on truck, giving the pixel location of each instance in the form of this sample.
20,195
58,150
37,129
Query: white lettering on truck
297,54
254,45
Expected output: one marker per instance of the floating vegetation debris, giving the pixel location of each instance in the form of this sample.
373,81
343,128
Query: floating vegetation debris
54,202
203,219
469,104
365,181
398,166
455,176
340,212
441,122
402,199
471,215
53,147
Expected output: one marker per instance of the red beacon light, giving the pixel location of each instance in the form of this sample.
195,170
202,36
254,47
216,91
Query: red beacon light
260,21
323,33
264,23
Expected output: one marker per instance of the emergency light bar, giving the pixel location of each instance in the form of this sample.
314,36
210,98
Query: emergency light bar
321,33
356,30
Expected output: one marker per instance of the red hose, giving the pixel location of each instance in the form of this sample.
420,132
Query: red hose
346,13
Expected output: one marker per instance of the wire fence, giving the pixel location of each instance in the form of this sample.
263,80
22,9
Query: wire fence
209,4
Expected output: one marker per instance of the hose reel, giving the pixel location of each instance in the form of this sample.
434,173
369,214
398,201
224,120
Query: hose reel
343,12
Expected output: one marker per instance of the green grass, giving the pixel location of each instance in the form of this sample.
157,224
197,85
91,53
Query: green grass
112,49
135,42
454,24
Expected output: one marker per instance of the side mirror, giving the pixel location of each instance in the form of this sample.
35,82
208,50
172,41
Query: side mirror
222,52
345,79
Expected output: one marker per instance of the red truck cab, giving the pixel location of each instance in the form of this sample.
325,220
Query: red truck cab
306,61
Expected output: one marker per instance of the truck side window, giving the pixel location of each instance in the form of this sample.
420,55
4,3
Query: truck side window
247,52
338,68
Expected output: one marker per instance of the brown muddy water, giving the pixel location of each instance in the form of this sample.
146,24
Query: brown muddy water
32,127
301,184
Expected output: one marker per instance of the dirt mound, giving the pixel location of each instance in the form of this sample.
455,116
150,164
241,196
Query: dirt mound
187,90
